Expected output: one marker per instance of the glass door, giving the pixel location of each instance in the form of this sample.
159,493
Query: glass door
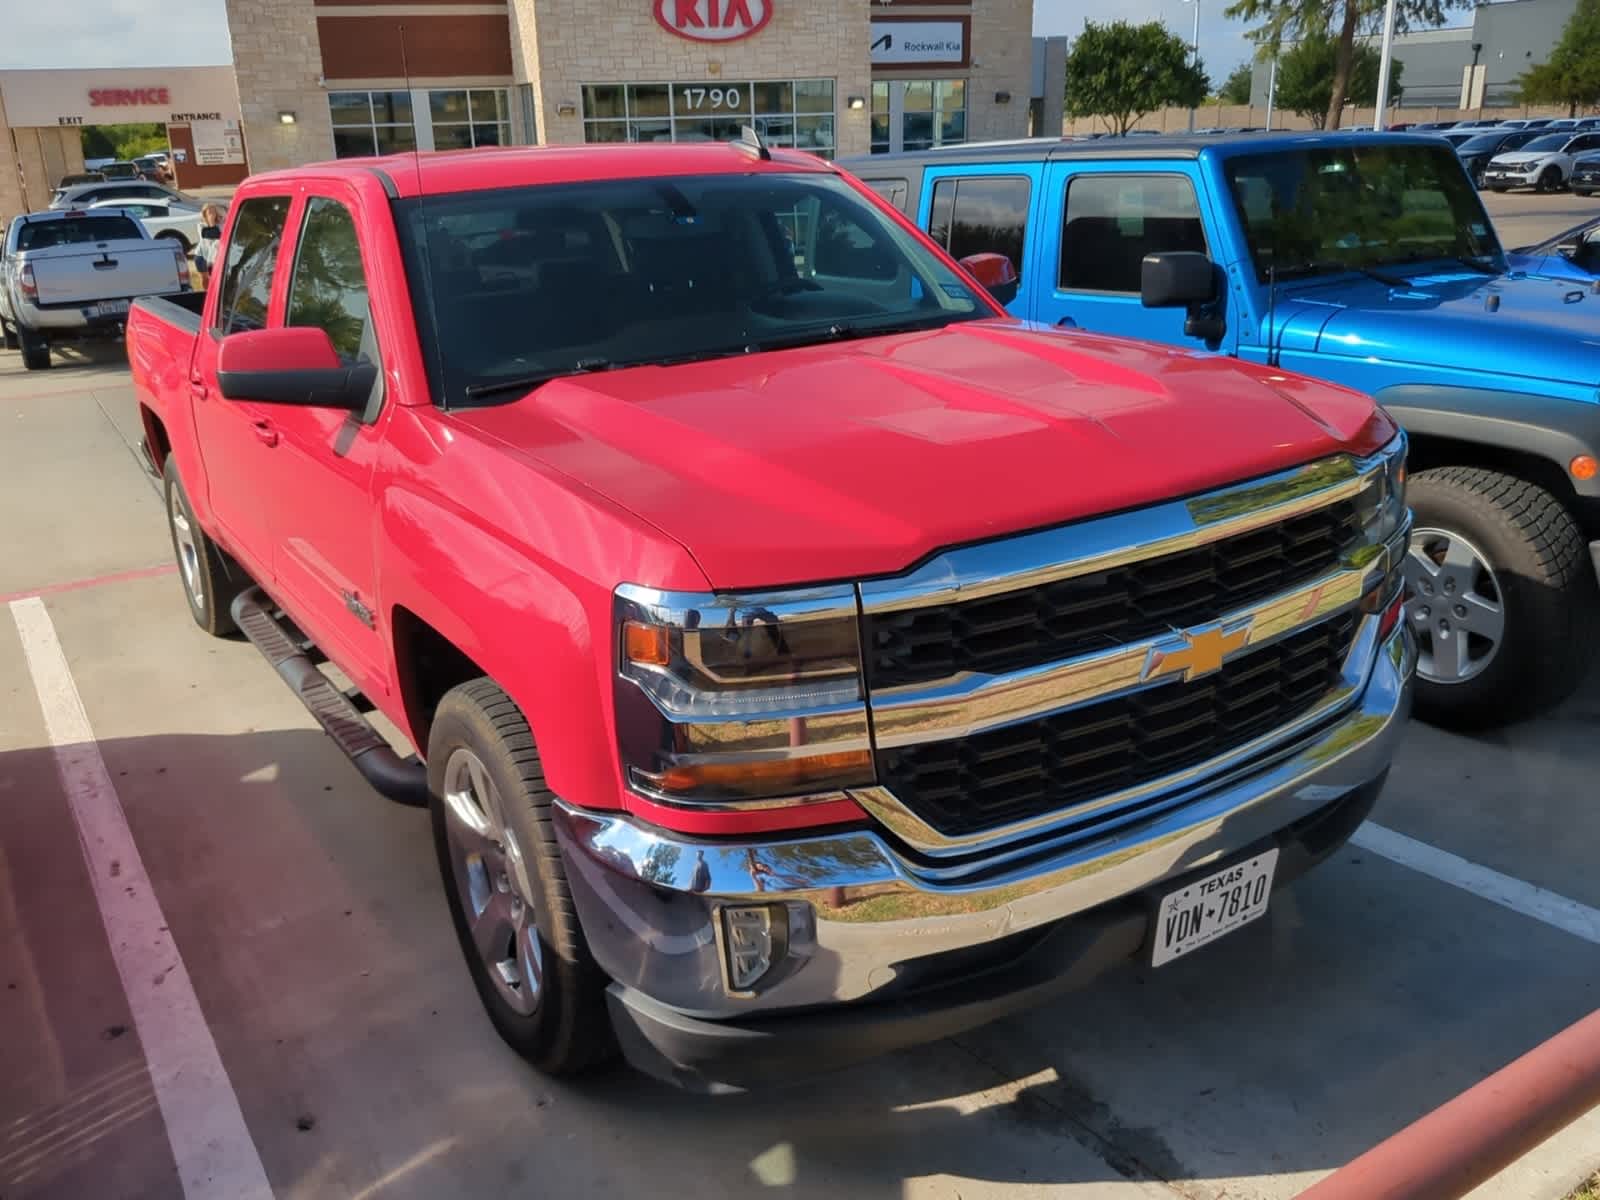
918,114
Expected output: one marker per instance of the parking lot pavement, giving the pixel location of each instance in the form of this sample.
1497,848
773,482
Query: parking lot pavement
1523,218
305,916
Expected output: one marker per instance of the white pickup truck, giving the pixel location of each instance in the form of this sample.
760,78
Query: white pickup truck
69,273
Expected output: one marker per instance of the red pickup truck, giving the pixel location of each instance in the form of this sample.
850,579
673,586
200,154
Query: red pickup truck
803,658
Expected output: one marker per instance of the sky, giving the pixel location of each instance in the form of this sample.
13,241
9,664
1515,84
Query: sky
1222,42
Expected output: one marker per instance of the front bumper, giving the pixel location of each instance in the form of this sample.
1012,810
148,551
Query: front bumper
897,950
1510,178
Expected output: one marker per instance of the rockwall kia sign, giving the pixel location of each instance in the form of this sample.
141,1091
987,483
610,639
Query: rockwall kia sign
713,20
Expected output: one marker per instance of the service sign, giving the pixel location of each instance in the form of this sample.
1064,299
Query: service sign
713,20
902,43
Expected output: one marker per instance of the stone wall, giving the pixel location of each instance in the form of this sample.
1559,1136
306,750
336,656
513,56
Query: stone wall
278,64
1002,63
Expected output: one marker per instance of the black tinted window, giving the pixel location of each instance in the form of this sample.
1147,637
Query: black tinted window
1113,221
70,231
329,288
252,257
980,215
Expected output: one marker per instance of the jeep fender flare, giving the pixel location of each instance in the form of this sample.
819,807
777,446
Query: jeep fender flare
1545,427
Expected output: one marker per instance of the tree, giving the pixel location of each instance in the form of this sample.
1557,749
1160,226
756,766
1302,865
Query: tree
1236,88
122,141
1119,72
1295,20
1307,73
1571,76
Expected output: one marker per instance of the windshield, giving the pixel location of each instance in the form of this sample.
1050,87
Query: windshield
1329,209
534,282
70,231
1550,141
1481,144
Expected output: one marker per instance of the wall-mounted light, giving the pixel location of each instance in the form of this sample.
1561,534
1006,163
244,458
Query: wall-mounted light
856,102
1002,97
567,110
285,118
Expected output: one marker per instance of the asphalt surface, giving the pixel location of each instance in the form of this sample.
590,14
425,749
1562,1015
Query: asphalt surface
304,917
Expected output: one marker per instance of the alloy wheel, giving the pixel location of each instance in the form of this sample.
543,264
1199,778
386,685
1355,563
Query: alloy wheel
188,552
1456,606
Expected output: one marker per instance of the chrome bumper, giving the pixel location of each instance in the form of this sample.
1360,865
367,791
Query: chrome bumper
864,918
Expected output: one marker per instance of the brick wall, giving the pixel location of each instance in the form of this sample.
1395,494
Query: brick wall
1002,61
278,62
610,41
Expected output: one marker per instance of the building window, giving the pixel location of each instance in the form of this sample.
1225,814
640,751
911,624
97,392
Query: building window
464,118
786,112
981,214
918,114
881,117
371,123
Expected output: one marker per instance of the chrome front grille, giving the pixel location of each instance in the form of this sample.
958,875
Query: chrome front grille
967,785
1089,613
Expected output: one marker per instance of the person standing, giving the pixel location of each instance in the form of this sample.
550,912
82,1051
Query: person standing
205,250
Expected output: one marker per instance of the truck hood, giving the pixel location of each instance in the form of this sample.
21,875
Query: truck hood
1517,325
855,459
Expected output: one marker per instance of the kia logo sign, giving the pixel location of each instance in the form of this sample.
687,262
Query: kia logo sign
103,97
713,20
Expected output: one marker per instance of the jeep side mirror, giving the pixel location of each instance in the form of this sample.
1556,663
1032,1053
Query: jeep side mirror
1177,279
995,272
1185,279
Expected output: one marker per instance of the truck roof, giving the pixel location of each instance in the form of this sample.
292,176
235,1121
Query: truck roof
1142,146
440,172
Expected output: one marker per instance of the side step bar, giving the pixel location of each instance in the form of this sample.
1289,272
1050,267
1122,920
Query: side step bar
403,780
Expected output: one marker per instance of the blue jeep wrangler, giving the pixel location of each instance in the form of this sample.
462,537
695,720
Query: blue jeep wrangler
1366,260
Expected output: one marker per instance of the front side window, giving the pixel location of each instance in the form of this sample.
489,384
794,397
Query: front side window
981,214
526,284
1112,221
329,288
1330,209
252,258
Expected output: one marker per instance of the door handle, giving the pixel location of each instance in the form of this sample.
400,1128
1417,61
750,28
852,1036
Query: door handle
197,386
265,433
1066,323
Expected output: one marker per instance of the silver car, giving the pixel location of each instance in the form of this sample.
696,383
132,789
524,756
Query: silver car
81,195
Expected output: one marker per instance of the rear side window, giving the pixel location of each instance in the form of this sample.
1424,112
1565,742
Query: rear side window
252,257
1112,221
329,288
71,231
985,214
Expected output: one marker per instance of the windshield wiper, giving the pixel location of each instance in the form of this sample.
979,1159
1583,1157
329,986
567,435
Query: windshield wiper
845,331
525,383
1475,264
1328,266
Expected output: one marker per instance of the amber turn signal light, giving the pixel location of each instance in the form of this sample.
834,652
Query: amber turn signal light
1583,467
774,776
646,644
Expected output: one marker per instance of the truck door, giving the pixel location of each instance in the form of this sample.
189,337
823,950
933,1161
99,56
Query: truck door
1098,221
978,208
322,523
240,485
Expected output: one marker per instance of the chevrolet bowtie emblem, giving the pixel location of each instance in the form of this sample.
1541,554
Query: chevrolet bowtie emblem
1195,652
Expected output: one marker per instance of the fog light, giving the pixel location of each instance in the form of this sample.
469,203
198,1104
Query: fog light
755,937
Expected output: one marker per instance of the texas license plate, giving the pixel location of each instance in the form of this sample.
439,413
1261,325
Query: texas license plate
1208,908
111,308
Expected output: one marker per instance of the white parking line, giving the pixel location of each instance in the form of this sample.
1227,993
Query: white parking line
215,1156
1566,915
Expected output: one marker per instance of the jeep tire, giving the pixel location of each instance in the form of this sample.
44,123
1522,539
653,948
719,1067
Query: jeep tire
1503,598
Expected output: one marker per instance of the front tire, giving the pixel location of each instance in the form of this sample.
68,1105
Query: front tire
507,886
35,350
1550,180
210,578
1503,598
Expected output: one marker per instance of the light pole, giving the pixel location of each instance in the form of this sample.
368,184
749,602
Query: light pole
1473,92
1194,48
1381,101
1272,91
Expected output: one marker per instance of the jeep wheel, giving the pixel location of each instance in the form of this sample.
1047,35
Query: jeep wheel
506,884
1502,597
210,578
35,350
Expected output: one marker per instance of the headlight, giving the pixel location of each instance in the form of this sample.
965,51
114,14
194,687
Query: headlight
1387,523
730,698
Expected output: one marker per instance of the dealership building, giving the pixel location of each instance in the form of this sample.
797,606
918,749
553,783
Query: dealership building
320,79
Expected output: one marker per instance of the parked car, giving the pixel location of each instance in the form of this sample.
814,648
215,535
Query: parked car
155,166
1433,126
122,170
82,195
1572,254
653,497
1585,177
180,224
1476,152
1460,137
71,274
1368,261
1544,163
67,181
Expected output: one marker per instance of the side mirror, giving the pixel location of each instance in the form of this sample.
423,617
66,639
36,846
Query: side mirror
995,273
1177,279
295,365
1567,249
